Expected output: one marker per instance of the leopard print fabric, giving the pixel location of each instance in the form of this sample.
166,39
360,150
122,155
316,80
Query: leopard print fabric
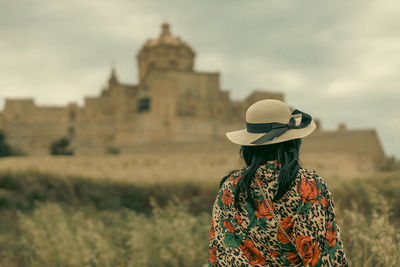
250,236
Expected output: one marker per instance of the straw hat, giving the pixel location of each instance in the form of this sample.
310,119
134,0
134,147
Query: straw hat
270,121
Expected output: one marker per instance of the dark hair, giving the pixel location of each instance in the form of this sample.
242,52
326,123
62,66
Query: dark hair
286,153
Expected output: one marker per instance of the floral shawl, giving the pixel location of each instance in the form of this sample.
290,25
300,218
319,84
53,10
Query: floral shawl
251,237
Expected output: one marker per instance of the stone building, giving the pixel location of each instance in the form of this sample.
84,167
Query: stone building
171,103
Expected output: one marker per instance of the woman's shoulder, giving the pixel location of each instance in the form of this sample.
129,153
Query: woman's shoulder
228,184
311,179
232,178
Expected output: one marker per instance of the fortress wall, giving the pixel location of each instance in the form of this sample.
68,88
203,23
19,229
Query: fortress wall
19,109
34,128
199,95
157,123
190,130
35,137
200,83
25,110
147,128
125,133
163,95
119,101
98,132
50,114
208,83
99,108
141,126
349,153
352,142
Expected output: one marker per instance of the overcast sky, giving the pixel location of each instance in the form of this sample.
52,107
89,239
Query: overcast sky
337,60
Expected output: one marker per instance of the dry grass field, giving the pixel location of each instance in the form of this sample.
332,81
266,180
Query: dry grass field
143,168
179,166
153,209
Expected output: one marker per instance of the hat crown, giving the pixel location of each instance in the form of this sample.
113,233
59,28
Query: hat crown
268,111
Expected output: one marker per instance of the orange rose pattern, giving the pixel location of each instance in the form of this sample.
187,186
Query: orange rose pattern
235,182
287,225
262,210
307,249
227,197
293,257
252,253
212,230
324,202
274,254
309,191
249,236
276,164
238,219
213,254
228,226
330,234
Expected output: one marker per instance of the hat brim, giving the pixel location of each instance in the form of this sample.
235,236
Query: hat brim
243,137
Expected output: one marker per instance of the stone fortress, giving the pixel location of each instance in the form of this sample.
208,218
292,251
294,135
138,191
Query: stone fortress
172,103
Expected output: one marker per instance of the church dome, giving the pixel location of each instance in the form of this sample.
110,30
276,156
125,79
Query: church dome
166,38
167,52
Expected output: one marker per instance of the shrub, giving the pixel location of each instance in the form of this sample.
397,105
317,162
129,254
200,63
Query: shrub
61,147
5,148
390,164
112,150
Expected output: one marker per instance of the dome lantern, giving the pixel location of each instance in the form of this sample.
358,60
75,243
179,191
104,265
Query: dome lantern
165,29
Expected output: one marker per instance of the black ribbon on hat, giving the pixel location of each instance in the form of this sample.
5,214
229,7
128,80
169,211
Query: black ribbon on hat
274,129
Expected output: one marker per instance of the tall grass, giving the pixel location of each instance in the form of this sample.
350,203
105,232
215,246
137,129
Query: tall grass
64,224
53,235
369,237
171,237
